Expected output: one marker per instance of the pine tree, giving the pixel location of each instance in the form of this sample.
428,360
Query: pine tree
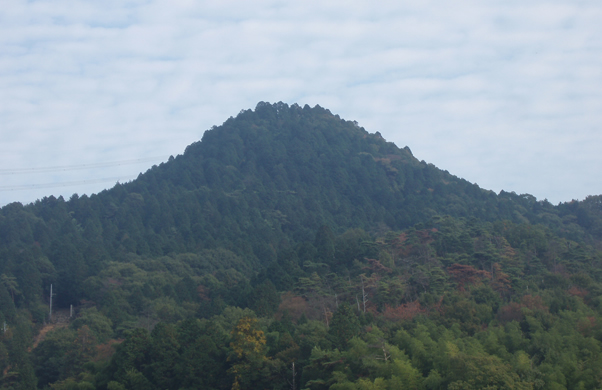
343,326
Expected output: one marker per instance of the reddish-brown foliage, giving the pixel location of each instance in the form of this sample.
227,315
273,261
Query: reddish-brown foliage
407,311
507,250
105,351
466,274
371,308
510,312
438,306
295,306
577,291
586,326
401,248
533,302
376,266
501,280
513,311
401,239
424,236
203,293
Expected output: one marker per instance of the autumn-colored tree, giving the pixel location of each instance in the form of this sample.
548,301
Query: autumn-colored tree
249,348
376,266
533,302
466,274
510,312
425,237
513,310
295,305
248,339
406,311
399,246
577,291
203,293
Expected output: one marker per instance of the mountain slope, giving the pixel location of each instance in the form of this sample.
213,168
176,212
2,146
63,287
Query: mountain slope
283,171
295,199
254,186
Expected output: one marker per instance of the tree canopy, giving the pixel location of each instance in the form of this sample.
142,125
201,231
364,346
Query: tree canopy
289,236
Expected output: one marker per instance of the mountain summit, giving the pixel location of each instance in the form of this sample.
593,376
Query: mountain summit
288,235
271,176
283,171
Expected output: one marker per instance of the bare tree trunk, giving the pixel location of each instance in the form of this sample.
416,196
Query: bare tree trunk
293,376
364,295
386,357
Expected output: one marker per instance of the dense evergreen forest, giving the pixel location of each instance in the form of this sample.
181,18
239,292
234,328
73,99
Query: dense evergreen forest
292,249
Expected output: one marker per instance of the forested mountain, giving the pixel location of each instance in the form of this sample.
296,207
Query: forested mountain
289,235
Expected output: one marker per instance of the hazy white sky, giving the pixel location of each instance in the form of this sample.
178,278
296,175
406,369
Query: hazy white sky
507,94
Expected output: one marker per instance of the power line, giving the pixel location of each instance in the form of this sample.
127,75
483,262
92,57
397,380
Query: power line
63,184
19,171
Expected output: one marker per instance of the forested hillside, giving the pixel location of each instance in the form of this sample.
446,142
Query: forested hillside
290,248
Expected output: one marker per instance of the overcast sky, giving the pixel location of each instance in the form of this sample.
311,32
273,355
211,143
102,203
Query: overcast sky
506,94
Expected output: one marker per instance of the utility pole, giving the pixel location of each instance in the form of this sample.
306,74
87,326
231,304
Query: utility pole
293,376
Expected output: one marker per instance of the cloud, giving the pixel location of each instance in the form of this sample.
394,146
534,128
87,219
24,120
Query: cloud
503,93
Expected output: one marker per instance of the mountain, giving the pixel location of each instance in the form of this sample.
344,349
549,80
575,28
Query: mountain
277,200
257,184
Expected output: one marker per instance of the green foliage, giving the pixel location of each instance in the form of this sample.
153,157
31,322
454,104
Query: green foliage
344,326
99,325
51,356
265,299
365,267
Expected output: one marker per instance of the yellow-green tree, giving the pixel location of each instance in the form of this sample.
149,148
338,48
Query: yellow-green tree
252,369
